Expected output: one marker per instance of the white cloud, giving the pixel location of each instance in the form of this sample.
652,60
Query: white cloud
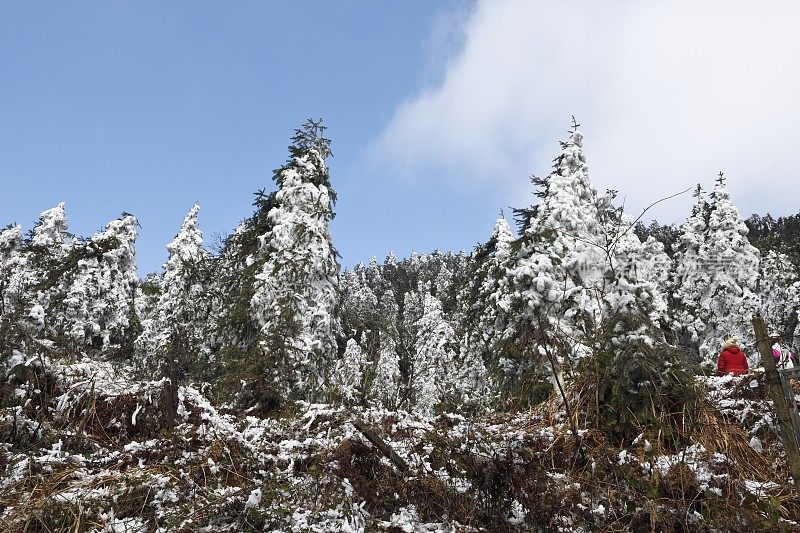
668,93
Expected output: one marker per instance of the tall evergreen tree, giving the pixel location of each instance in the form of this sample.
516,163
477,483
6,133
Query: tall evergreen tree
296,292
558,272
100,288
432,375
779,290
11,259
729,299
485,302
386,379
37,278
689,275
180,313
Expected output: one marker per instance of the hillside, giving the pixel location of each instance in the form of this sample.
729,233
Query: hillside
92,452
561,376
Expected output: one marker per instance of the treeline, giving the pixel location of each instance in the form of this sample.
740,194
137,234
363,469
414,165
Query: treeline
270,318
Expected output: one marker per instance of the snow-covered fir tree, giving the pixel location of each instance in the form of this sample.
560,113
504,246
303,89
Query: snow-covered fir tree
779,289
346,378
296,292
50,231
11,260
35,278
99,307
655,267
485,302
386,378
689,276
634,271
577,267
729,300
433,366
557,275
180,313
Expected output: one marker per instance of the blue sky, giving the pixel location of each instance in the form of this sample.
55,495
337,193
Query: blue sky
148,107
438,111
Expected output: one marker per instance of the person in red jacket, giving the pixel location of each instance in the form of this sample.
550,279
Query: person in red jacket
732,359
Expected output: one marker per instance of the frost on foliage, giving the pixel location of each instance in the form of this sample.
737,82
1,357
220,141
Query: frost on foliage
729,299
779,290
386,380
11,259
179,311
485,300
434,363
689,275
296,292
28,265
347,374
36,317
100,292
51,228
559,265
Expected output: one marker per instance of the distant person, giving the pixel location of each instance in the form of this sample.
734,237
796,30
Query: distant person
732,359
777,353
783,358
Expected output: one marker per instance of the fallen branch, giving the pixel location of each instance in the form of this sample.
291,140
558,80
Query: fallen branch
382,446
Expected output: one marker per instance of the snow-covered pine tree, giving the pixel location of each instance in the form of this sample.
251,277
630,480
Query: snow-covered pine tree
296,293
373,277
386,378
99,308
443,282
11,260
51,230
37,276
779,291
690,276
557,275
359,304
633,270
729,300
484,304
654,268
433,366
180,314
346,378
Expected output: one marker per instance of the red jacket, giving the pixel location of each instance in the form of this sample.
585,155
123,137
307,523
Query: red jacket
732,361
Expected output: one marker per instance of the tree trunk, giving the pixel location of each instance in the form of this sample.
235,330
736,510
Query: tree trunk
779,401
169,397
382,446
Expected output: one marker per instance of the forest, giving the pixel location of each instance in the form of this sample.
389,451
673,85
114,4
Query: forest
562,375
